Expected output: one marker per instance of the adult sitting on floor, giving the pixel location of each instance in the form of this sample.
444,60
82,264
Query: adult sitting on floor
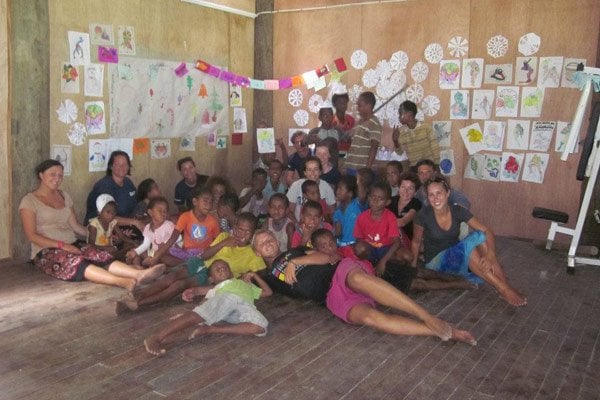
298,272
51,226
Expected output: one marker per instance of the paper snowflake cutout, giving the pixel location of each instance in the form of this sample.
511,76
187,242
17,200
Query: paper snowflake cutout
391,112
67,112
399,60
419,71
386,88
458,46
430,105
301,117
370,78
434,52
383,69
354,92
358,60
77,134
398,80
315,102
420,116
497,46
415,93
295,97
529,44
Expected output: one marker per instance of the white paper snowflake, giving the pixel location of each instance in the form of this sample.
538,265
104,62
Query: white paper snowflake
295,97
497,46
398,80
458,46
391,112
420,116
415,93
67,112
370,78
301,117
399,60
529,44
434,52
315,102
77,134
430,105
358,60
354,92
419,71
383,69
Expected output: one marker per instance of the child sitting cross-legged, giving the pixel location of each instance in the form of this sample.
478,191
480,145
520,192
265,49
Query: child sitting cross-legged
355,292
233,248
102,228
311,219
227,299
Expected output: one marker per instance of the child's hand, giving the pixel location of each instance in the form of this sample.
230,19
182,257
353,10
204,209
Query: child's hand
188,295
247,277
290,273
148,262
334,258
380,268
130,255
230,241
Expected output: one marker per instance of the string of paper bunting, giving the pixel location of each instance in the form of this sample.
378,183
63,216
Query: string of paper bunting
309,78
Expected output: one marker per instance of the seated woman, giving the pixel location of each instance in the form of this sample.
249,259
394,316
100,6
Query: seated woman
438,227
298,272
327,152
51,226
405,205
121,188
355,292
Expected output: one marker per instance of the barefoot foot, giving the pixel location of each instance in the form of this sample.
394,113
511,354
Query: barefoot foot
513,297
151,274
153,346
125,305
463,336
201,330
440,328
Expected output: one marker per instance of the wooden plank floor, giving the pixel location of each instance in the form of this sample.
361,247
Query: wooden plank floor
62,341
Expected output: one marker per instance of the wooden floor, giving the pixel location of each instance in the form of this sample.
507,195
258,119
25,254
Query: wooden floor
62,341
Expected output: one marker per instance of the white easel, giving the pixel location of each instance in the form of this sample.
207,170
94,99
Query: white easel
592,169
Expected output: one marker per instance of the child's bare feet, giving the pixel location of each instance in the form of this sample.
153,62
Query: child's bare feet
513,297
153,346
440,328
125,305
151,274
202,329
463,336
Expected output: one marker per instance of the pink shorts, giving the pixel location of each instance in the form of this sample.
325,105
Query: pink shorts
340,298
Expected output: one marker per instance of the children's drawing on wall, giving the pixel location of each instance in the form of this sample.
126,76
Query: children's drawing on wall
187,143
475,167
447,166
507,101
529,44
550,69
67,111
221,142
126,40
517,134
483,103
525,70
79,48
291,131
569,70
472,137
532,100
535,167
97,155
69,79
459,104
239,120
442,130
449,77
63,155
93,80
149,100
498,74
541,135
235,96
472,73
563,129
265,139
511,167
94,117
491,167
101,34
123,144
211,139
108,54
160,148
141,146
493,135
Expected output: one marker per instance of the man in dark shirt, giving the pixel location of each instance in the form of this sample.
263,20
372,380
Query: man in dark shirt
191,180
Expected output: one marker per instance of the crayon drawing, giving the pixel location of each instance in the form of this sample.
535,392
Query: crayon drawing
442,130
69,79
541,135
535,167
447,165
569,67
93,83
475,166
449,77
493,135
525,70
459,104
483,104
563,129
498,74
265,140
472,137
62,154
101,34
160,148
507,101
511,167
126,40
95,120
550,69
532,100
491,167
79,48
472,73
517,134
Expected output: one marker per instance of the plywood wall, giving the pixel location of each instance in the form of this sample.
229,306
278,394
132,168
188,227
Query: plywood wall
169,30
307,39
5,118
